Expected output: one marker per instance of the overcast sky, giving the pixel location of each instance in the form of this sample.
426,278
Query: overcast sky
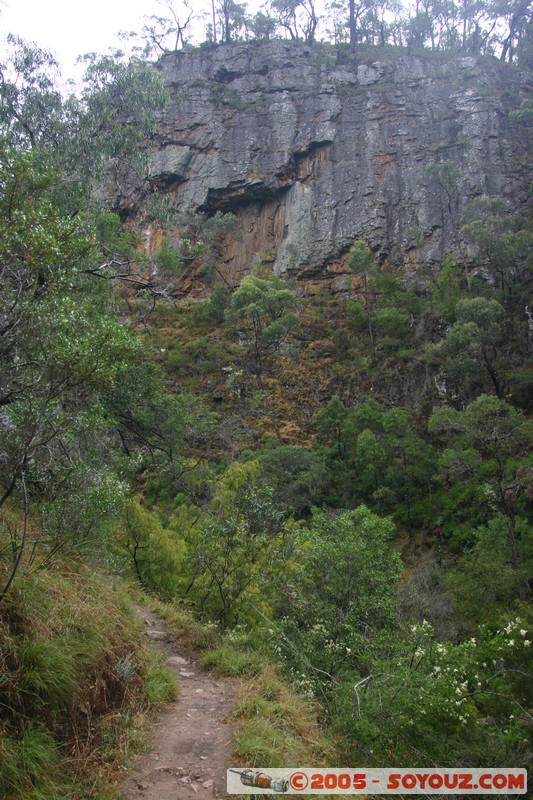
70,28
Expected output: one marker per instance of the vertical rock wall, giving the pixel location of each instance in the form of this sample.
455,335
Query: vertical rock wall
311,154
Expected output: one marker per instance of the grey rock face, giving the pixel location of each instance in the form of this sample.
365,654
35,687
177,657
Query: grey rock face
311,154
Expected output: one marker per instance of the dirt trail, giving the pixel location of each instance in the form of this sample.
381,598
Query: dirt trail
190,748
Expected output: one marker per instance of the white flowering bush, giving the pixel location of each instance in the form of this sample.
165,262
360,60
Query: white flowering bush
466,703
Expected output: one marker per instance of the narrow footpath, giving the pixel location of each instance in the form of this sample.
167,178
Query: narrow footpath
190,745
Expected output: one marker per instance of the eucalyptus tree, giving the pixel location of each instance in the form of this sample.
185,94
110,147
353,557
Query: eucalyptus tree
489,441
297,18
263,312
232,19
167,33
64,351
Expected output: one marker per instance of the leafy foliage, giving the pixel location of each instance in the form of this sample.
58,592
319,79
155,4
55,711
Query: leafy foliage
430,702
158,554
491,441
262,311
87,138
240,547
298,476
344,591
65,355
503,242
502,29
392,425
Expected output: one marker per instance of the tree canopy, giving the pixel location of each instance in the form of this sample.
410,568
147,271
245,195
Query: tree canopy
68,425
502,30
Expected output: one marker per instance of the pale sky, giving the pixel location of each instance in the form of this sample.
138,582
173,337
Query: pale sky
69,28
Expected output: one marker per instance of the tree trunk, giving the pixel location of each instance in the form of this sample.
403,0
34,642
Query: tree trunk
368,317
214,22
512,542
22,541
353,31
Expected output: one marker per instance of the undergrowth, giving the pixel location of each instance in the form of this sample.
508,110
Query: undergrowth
274,725
76,684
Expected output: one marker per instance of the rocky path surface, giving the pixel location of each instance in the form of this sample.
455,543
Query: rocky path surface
190,748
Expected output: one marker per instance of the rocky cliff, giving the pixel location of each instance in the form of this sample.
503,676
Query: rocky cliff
311,153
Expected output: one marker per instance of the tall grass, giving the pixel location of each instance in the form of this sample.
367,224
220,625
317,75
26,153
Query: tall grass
76,682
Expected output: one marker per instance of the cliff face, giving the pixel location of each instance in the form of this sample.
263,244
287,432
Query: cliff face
311,154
